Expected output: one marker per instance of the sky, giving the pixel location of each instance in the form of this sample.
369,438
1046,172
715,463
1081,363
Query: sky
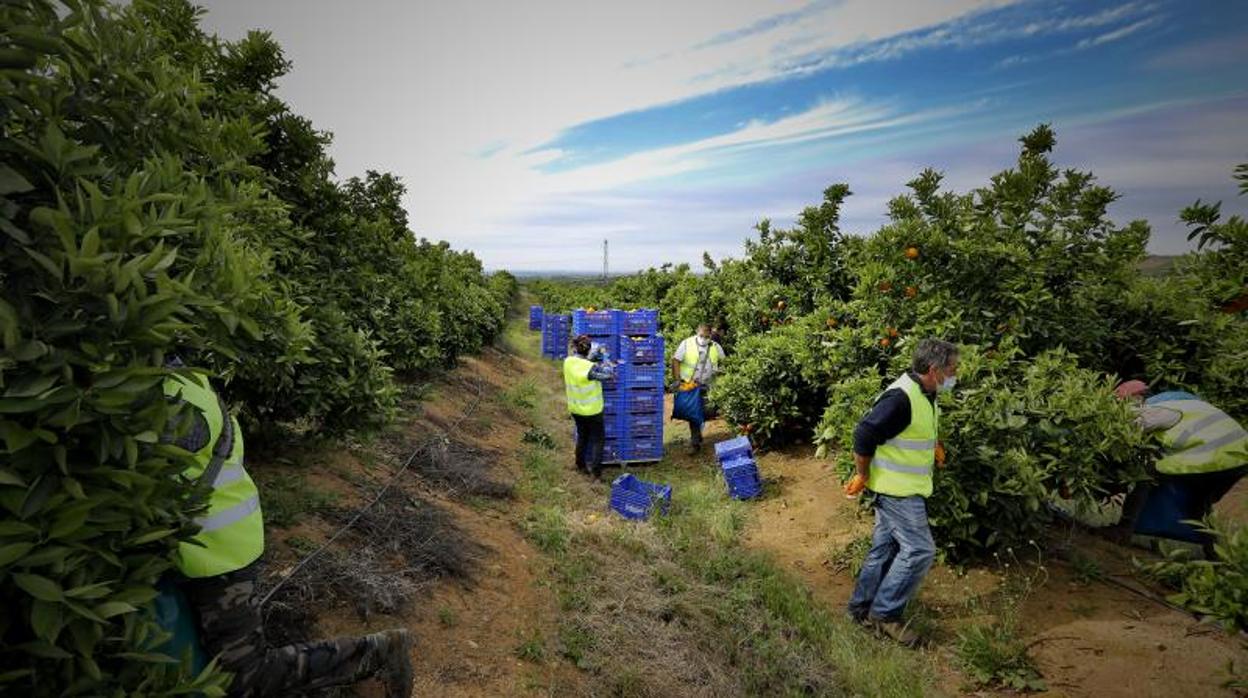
529,132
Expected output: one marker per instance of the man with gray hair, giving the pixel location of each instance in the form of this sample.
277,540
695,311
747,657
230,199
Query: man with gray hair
895,448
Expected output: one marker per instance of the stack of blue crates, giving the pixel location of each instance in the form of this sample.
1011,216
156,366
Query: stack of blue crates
633,414
535,317
556,333
736,457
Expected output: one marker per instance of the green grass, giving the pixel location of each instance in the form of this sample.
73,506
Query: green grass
447,616
286,498
531,648
678,603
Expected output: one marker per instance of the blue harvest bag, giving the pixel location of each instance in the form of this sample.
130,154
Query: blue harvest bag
687,405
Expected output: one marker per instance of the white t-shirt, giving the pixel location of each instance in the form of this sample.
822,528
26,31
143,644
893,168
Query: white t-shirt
704,370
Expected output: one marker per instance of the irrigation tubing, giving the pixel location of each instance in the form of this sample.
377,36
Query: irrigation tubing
468,411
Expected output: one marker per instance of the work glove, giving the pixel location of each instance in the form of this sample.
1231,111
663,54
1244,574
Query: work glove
855,486
940,454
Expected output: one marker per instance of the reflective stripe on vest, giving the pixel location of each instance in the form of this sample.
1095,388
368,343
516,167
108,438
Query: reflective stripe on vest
1204,440
231,532
902,466
584,393
689,364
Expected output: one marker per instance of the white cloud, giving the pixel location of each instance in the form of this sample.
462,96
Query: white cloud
1120,33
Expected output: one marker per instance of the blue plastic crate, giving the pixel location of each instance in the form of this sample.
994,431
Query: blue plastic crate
602,322
639,322
535,317
642,425
733,449
638,401
634,498
639,448
741,476
641,350
641,375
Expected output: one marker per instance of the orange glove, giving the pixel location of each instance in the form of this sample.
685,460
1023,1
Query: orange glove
940,454
855,486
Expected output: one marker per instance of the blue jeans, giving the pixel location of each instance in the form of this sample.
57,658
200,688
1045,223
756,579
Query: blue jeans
901,553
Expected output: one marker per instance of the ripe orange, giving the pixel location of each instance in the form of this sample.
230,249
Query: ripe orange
885,342
781,305
892,332
912,252
912,291
831,322
886,286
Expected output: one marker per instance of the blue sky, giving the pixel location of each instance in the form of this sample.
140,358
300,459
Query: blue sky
531,132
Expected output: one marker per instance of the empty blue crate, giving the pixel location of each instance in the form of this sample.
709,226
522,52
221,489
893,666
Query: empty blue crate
535,317
641,376
601,322
639,322
741,476
733,449
634,498
641,350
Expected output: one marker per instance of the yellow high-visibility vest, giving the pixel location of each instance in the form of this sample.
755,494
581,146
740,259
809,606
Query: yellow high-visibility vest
231,532
1204,440
902,466
584,393
714,354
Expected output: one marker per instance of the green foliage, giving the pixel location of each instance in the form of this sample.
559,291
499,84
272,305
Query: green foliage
1217,588
1027,273
994,655
156,200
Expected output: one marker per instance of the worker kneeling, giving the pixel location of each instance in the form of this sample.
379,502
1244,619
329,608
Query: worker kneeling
583,372
220,567
895,449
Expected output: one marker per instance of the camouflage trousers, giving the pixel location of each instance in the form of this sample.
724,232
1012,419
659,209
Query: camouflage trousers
232,629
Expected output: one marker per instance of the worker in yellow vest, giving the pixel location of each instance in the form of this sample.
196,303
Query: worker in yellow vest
220,566
1206,453
583,373
895,448
696,361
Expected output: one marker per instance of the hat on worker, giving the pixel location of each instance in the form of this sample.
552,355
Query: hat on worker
1132,388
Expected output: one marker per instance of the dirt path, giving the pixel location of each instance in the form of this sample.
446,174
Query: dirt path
468,630
1089,638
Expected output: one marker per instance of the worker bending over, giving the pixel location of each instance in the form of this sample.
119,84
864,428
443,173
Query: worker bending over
220,566
1206,453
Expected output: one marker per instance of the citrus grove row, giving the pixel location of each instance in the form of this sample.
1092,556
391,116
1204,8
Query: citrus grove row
1028,274
160,205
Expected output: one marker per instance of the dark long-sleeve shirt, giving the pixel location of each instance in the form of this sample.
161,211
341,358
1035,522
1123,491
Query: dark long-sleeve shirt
889,417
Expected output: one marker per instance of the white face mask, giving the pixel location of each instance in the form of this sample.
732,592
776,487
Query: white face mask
703,341
947,384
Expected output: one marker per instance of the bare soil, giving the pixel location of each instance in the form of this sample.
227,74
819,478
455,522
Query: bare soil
1089,637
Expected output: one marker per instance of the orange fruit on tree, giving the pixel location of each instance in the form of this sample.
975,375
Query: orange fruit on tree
912,291
886,286
885,342
831,322
781,305
892,332
912,252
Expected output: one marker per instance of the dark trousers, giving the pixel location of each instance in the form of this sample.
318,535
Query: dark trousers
591,437
231,628
1206,489
695,430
